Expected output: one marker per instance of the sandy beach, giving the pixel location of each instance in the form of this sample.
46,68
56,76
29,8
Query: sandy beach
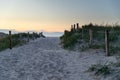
44,59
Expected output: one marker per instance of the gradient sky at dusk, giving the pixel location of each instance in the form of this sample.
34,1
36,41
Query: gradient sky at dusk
56,15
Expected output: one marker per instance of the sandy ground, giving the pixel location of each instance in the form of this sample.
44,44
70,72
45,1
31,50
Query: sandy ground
44,59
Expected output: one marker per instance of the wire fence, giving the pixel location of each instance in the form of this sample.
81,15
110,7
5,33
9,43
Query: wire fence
12,39
102,38
93,36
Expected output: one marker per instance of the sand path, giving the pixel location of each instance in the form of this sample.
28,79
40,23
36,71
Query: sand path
44,59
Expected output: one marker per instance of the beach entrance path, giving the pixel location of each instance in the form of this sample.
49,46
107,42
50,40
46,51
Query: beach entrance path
44,59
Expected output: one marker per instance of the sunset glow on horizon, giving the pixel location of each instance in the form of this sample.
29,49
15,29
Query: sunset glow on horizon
56,15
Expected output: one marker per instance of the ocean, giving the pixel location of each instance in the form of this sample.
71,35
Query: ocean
47,34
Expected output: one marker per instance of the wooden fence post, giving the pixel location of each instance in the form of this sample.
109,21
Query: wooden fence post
91,36
77,26
74,27
39,34
107,42
36,35
33,35
20,36
28,37
10,39
71,27
82,32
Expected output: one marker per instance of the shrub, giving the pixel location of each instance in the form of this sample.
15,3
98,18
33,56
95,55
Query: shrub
100,69
104,70
95,46
4,42
70,41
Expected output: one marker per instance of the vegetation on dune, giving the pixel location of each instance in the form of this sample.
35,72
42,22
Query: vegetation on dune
111,70
69,39
81,35
100,69
17,39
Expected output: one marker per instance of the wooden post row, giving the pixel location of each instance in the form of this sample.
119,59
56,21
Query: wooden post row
107,42
10,40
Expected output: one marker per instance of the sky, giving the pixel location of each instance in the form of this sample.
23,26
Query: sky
56,15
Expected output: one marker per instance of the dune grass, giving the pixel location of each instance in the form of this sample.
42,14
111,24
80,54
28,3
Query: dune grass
72,37
16,40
